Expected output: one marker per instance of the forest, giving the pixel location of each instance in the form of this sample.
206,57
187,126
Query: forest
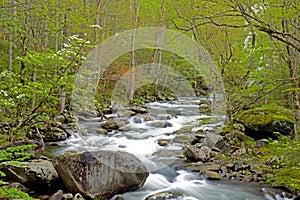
254,45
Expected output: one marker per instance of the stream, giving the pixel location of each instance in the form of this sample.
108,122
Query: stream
166,173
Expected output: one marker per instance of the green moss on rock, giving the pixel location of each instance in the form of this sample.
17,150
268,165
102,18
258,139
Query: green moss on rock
263,122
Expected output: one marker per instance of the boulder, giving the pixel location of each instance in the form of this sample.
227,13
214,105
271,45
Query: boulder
266,122
37,175
99,175
193,153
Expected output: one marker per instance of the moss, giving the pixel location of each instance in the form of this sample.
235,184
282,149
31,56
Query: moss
264,115
99,163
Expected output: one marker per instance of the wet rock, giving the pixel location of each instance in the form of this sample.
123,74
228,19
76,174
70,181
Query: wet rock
159,124
101,131
166,153
139,109
99,175
163,142
200,134
125,128
110,125
162,196
145,117
57,196
137,120
184,130
211,175
193,153
210,167
164,116
255,169
37,175
184,139
125,113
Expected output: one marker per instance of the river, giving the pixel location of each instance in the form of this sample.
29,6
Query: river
166,173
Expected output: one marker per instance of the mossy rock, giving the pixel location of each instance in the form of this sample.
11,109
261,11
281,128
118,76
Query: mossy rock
266,122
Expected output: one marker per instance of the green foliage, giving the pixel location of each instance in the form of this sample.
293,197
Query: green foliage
13,193
287,167
14,155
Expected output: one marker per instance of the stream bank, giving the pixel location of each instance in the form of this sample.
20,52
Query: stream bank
180,147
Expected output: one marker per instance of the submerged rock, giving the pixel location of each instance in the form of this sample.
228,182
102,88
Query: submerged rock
159,124
100,175
110,125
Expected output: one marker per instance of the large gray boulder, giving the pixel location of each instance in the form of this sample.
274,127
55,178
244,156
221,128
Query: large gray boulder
99,175
38,175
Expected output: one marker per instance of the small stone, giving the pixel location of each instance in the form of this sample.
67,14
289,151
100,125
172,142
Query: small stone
210,167
138,109
211,175
163,142
164,116
262,143
224,169
255,169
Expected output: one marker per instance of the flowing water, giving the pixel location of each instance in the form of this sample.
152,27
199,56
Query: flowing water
166,173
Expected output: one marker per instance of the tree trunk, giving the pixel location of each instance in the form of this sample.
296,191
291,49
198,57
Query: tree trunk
132,78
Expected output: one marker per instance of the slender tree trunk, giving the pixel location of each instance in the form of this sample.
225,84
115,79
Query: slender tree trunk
132,81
